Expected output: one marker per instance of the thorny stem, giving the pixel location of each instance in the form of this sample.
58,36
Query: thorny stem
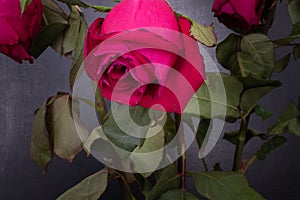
245,120
241,142
181,148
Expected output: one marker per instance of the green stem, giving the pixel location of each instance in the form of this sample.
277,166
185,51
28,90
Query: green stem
100,105
249,163
241,142
181,148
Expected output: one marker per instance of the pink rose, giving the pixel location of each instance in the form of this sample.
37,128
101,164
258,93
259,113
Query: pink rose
244,14
17,30
141,46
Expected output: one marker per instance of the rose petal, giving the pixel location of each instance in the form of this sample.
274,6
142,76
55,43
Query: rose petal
8,36
132,14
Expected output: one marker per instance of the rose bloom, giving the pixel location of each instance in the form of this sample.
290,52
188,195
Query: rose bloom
148,34
244,14
17,29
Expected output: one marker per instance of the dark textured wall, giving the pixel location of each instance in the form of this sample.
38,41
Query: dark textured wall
24,88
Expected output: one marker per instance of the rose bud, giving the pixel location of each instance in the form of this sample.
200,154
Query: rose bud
18,29
239,14
141,54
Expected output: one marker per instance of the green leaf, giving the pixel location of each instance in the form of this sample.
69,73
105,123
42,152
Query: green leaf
287,122
256,58
284,41
75,2
78,59
120,137
294,10
67,42
204,34
24,4
262,112
233,137
53,13
46,37
296,51
169,129
226,53
65,129
224,186
84,5
295,34
101,8
168,180
203,128
178,194
154,141
251,97
145,185
282,63
294,126
91,188
40,148
218,97
269,146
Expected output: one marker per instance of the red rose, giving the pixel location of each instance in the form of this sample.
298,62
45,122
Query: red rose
148,34
244,14
17,30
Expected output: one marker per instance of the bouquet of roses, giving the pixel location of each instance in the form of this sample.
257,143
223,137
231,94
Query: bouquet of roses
143,88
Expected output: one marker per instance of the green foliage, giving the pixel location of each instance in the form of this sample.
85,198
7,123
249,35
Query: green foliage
46,37
262,112
224,186
233,137
282,63
168,180
144,184
178,194
219,96
251,97
67,41
91,188
202,130
249,56
75,2
64,33
64,127
76,68
296,51
84,5
24,4
226,53
119,136
40,148
288,122
154,142
269,146
256,58
57,129
204,34
294,10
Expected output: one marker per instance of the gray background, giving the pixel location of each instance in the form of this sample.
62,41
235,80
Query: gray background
25,87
